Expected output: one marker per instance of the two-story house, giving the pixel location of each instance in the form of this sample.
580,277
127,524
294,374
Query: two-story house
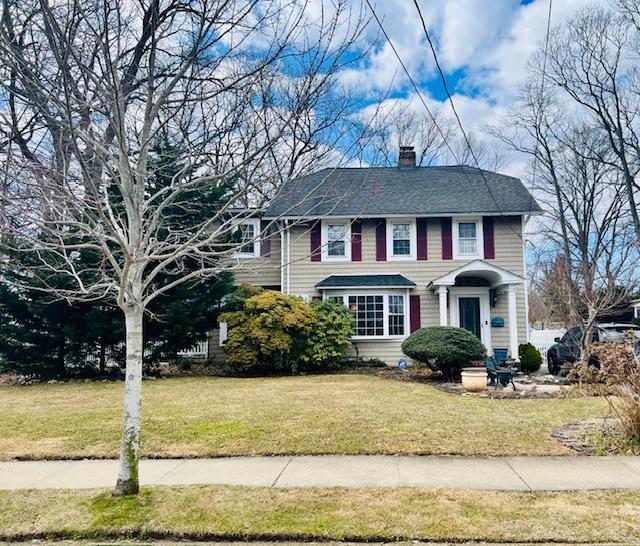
403,248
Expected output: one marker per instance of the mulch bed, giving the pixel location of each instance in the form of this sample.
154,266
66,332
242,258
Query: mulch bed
579,436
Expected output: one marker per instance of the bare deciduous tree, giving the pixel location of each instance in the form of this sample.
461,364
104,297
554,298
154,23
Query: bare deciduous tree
245,93
592,60
586,237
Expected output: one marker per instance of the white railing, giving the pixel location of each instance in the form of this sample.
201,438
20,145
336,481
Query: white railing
543,339
199,349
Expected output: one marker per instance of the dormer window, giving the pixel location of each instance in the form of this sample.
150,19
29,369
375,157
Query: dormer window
467,238
246,232
401,239
336,240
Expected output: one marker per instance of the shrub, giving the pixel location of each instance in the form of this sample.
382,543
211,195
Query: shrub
447,348
330,335
617,378
269,330
530,358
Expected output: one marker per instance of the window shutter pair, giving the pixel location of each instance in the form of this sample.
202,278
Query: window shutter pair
315,240
488,236
381,239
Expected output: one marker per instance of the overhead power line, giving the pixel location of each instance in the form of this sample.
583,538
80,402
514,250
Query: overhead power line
430,113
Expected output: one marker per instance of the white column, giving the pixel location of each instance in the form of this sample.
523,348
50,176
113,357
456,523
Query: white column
442,293
513,321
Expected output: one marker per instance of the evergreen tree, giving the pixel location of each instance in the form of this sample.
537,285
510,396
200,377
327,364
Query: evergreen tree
46,337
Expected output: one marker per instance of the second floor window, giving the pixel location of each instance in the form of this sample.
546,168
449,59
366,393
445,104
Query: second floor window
336,239
401,239
246,235
467,237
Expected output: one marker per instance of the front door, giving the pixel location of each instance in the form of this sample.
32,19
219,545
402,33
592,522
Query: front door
469,313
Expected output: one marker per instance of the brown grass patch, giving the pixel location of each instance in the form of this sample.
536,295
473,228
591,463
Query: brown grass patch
198,513
339,414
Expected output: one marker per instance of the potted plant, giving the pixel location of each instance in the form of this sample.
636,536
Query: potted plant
474,377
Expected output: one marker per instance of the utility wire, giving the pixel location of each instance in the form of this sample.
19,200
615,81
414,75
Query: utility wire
430,113
455,112
541,98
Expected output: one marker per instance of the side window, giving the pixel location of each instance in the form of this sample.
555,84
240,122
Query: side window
574,335
246,232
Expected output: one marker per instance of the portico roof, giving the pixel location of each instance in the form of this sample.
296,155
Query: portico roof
394,280
479,268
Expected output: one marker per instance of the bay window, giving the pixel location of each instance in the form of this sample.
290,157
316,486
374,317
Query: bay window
377,315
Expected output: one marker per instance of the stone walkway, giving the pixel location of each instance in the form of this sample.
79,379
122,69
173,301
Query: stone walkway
490,473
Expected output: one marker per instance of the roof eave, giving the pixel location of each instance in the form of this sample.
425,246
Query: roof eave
403,215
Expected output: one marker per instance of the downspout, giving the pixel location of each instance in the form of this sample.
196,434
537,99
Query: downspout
282,265
288,257
525,221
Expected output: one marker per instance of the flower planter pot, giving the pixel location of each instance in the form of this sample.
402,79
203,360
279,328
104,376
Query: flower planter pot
474,379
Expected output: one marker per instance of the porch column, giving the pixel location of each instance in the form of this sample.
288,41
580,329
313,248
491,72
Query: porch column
513,322
442,293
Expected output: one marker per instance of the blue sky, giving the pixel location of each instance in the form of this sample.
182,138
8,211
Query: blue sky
483,46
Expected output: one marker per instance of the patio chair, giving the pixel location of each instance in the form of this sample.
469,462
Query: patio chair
499,375
501,355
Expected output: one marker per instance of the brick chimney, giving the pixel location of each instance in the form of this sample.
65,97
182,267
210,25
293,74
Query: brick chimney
407,157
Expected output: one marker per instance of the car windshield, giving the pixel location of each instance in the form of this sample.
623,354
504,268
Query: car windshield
615,333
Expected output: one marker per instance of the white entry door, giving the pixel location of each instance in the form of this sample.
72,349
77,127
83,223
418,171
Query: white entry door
470,310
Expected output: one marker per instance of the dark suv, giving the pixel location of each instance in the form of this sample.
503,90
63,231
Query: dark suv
566,350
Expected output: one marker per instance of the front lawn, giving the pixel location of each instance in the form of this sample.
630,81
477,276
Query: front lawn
303,514
346,414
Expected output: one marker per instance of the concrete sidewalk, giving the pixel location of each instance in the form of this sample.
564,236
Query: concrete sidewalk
489,473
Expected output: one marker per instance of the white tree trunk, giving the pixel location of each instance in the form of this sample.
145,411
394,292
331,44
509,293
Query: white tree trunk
128,483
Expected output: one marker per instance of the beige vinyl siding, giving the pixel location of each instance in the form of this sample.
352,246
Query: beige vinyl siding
305,274
215,351
261,270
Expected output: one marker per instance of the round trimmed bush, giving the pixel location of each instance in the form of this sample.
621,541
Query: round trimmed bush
530,358
449,349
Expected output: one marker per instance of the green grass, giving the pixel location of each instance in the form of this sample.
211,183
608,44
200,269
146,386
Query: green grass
346,414
297,514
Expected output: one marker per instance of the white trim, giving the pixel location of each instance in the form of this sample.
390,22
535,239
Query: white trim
360,215
497,276
442,300
288,259
222,333
523,227
391,257
485,310
255,222
385,309
477,220
324,241
513,322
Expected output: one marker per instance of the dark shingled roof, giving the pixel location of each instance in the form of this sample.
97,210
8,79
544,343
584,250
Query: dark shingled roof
416,191
366,281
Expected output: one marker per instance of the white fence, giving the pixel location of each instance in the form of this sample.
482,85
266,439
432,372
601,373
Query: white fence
199,349
543,339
